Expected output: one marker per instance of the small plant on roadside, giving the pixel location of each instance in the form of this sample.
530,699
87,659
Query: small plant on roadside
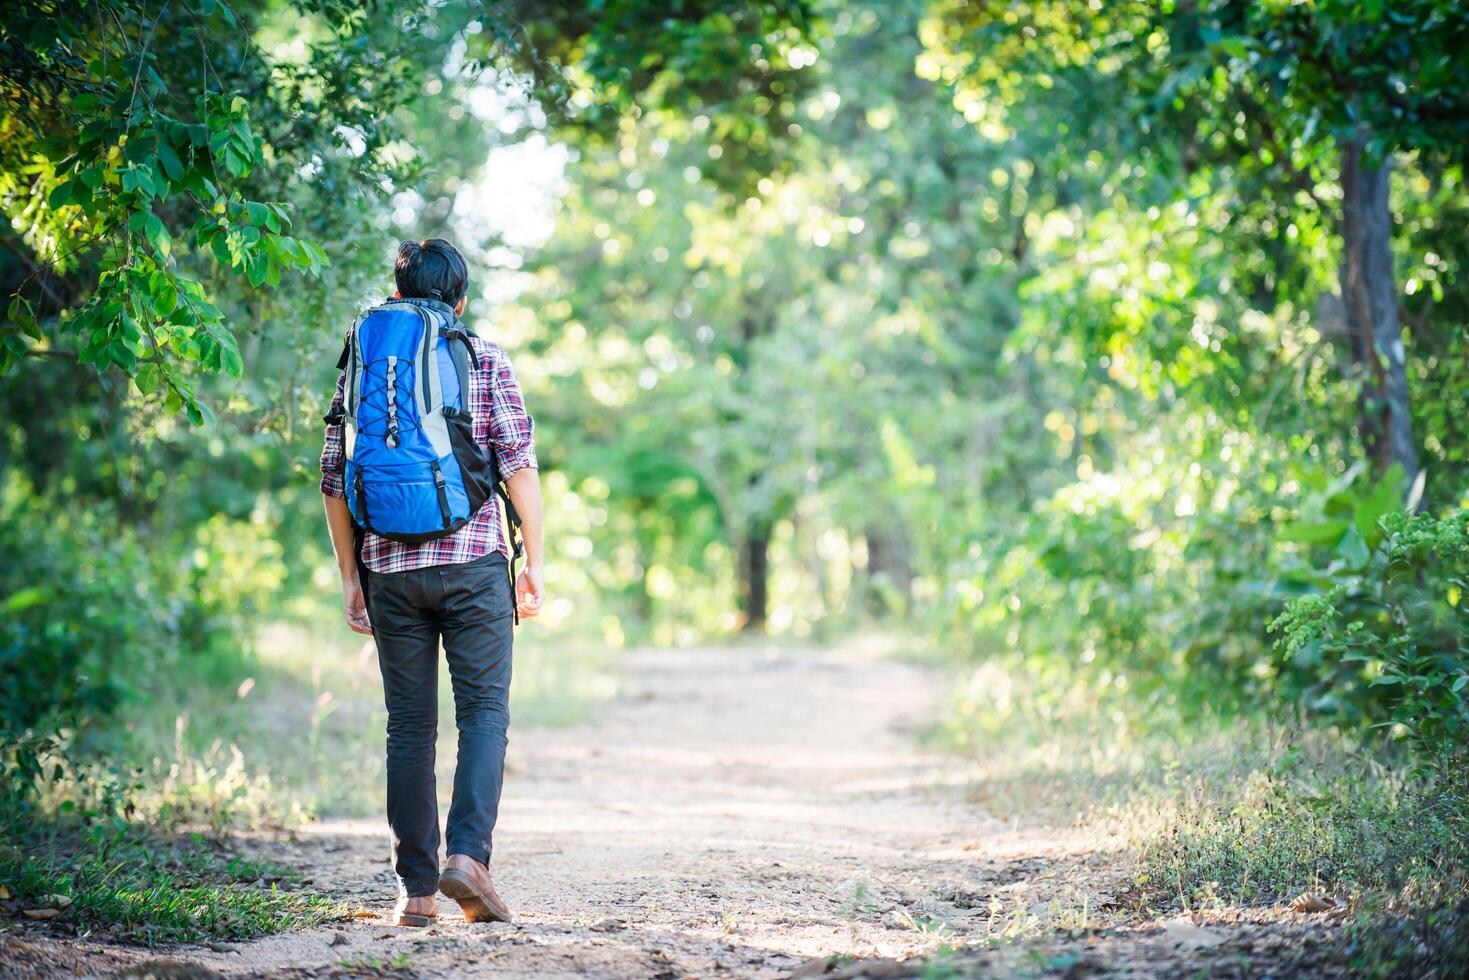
921,922
1387,634
860,902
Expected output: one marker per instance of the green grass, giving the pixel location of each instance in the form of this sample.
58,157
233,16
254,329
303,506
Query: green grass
1232,812
1272,835
136,888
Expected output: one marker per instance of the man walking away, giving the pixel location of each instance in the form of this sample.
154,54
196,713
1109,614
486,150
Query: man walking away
426,438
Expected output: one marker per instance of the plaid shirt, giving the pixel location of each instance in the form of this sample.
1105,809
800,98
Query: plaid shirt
500,422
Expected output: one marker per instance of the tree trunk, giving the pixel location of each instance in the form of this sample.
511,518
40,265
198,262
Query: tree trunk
1370,299
754,568
889,571
645,604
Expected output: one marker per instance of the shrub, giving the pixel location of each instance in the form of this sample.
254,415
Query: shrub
1385,632
95,612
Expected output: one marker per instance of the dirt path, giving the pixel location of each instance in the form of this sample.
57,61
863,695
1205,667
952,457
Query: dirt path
733,811
738,813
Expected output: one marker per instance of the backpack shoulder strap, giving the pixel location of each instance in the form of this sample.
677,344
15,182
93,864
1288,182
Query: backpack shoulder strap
351,362
461,353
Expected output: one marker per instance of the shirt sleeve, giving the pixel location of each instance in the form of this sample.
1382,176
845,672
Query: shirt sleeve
512,430
331,450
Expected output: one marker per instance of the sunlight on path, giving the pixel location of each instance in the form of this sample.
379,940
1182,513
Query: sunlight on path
734,811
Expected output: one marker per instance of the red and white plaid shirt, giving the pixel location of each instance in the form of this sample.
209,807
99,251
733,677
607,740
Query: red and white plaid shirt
500,423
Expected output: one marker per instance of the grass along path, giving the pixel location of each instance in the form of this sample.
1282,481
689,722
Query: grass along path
749,813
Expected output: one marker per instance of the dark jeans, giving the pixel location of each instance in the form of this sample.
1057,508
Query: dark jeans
469,606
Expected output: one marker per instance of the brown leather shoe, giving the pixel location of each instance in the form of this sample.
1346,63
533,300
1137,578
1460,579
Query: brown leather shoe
417,912
468,883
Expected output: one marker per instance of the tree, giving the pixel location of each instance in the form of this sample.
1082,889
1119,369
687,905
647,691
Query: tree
1268,96
124,146
740,63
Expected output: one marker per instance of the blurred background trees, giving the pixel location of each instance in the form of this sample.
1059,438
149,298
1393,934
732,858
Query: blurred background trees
1086,338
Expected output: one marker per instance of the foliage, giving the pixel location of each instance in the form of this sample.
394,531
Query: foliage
739,62
1384,631
1431,940
83,633
1284,833
133,888
101,148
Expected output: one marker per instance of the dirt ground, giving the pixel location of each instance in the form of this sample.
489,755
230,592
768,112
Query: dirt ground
744,813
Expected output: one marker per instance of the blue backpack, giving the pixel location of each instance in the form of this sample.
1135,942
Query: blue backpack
413,469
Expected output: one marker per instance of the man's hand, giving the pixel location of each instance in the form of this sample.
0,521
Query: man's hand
530,591
355,607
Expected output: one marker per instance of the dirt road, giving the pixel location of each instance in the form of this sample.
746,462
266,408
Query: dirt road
740,813
733,811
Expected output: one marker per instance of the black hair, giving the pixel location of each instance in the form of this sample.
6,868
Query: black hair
431,269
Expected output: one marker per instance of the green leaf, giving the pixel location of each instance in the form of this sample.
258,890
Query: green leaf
1236,47
1327,532
230,361
157,234
24,599
1384,498
163,294
21,314
1352,548
61,195
234,161
168,158
255,270
199,413
147,378
122,355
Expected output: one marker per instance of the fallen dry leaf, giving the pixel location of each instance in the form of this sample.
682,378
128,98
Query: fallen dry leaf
41,913
57,901
1315,902
366,914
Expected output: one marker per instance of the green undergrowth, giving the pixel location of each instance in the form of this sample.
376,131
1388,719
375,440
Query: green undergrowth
100,828
1230,810
1389,845
1269,835
128,885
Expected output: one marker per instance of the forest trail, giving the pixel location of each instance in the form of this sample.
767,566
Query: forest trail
733,813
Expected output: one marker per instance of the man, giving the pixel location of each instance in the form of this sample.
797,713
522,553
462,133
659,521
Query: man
454,587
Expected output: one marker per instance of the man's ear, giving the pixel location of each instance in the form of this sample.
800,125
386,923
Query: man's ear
397,294
459,309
